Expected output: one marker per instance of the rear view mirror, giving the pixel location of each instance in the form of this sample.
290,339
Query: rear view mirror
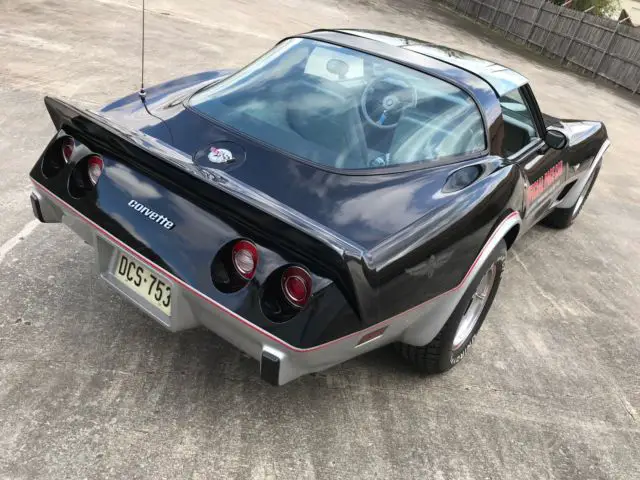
555,139
338,67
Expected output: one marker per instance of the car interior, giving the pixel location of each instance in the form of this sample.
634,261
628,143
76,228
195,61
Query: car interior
519,130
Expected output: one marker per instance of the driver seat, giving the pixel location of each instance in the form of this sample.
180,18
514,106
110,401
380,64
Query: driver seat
421,136
325,113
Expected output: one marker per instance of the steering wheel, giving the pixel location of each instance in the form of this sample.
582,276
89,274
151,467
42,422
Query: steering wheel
384,99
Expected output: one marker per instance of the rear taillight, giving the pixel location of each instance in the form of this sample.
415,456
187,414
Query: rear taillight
57,156
234,265
244,256
296,286
94,168
68,144
286,292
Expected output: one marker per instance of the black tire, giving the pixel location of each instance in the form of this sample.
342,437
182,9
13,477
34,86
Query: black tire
561,218
440,355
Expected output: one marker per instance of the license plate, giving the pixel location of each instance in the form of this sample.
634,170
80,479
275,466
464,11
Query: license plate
144,282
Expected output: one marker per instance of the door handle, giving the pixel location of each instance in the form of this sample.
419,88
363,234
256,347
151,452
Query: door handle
532,163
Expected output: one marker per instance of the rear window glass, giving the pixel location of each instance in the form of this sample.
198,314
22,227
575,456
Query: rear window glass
345,109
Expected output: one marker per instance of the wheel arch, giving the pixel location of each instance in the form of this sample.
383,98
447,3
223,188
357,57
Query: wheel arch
507,227
511,236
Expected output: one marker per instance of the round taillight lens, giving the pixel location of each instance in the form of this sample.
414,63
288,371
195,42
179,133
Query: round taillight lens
94,168
68,144
296,286
244,256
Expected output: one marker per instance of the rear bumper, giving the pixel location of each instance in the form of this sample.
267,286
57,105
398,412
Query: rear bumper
280,362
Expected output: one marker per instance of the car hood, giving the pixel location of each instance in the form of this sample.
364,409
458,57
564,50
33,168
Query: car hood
366,209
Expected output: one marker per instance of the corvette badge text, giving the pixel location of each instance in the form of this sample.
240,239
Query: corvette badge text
151,215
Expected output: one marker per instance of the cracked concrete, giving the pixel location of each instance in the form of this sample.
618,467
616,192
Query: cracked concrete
90,388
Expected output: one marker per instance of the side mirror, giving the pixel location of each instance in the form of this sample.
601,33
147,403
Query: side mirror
555,139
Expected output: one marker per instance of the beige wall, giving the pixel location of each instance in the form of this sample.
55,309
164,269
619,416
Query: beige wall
633,9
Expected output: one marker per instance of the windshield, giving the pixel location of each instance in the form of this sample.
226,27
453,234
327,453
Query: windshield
345,109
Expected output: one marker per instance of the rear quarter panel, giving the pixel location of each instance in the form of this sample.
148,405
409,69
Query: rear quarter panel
434,255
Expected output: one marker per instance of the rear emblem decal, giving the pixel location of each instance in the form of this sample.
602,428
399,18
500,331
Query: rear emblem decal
429,267
220,155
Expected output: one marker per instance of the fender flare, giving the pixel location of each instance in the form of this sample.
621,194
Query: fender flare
571,198
429,323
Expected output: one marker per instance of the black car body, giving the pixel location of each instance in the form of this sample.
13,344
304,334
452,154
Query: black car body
387,251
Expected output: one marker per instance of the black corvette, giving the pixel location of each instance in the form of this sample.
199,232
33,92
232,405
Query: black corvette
347,190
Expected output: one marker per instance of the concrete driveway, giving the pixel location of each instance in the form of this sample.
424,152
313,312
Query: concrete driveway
90,388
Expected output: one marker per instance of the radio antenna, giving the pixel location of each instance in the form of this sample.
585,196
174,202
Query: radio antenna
142,93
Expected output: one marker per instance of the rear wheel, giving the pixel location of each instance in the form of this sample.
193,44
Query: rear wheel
451,344
564,217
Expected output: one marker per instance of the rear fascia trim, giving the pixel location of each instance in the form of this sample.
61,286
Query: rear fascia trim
149,263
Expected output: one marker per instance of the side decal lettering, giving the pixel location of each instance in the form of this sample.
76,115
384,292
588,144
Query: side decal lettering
550,177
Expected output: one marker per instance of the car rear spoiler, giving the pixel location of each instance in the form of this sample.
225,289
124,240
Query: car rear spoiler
325,252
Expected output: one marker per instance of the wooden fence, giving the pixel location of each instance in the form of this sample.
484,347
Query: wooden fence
601,46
